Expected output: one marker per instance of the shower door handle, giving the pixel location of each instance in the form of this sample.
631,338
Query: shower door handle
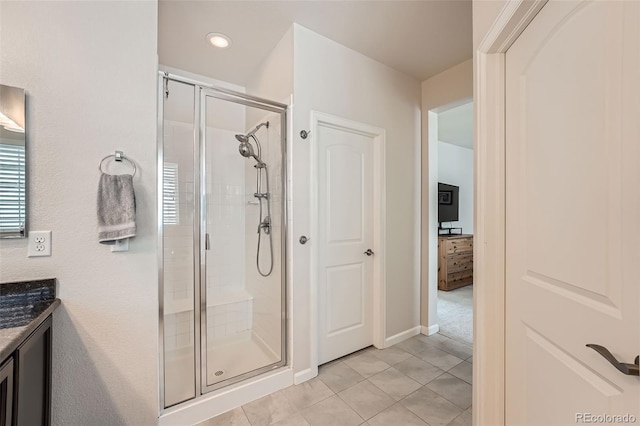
207,245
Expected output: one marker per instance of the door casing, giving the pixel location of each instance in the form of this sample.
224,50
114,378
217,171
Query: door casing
379,228
490,221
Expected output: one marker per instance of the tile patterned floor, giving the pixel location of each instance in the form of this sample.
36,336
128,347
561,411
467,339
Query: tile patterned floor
423,381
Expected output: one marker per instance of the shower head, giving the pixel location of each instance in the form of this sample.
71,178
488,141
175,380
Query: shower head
246,149
245,138
242,138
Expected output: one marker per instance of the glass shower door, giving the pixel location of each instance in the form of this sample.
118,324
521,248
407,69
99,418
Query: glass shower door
178,175
242,233
221,232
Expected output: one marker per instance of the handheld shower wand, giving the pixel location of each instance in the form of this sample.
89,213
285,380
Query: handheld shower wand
246,150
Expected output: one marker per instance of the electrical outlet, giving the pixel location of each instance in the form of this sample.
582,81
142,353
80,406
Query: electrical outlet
39,244
120,245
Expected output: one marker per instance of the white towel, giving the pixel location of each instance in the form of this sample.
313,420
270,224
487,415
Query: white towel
116,208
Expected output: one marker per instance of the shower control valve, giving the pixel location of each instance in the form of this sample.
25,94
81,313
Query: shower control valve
266,225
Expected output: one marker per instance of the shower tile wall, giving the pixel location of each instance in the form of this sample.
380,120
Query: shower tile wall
178,330
178,242
230,309
230,319
266,291
229,306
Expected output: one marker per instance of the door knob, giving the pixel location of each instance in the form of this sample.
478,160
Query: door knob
628,369
303,240
369,252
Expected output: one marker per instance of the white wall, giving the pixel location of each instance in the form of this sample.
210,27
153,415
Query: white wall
331,78
454,85
455,167
89,69
273,79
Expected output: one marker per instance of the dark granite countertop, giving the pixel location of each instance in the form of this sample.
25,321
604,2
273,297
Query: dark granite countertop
23,307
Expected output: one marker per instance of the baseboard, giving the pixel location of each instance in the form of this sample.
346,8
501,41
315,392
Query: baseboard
428,331
404,335
304,375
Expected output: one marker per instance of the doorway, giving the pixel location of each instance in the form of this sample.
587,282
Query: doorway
454,130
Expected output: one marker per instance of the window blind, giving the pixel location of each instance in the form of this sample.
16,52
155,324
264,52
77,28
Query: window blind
12,188
170,194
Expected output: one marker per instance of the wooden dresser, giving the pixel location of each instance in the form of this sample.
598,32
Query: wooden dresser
455,261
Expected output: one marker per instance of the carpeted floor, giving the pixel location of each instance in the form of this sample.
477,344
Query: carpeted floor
455,313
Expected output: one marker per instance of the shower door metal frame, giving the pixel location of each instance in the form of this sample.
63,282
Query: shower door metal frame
201,92
267,106
164,77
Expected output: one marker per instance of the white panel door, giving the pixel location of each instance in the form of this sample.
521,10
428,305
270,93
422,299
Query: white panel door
345,229
573,213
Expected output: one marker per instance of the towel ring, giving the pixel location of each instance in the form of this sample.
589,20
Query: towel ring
118,156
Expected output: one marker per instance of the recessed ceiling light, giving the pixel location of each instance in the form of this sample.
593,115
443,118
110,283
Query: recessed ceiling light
219,40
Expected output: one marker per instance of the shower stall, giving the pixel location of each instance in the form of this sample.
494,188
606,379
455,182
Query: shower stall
222,233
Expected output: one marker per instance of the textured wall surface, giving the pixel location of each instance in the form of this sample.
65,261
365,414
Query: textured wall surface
89,70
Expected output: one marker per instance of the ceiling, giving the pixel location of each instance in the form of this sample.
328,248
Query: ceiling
420,38
455,125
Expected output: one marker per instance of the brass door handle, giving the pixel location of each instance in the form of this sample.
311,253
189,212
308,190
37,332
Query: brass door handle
628,369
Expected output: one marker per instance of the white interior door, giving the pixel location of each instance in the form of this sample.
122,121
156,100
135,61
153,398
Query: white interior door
573,213
345,233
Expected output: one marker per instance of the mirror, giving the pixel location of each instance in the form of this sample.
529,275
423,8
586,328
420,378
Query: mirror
13,182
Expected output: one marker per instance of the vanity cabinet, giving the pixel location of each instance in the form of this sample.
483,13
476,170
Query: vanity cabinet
26,309
6,392
25,381
33,378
